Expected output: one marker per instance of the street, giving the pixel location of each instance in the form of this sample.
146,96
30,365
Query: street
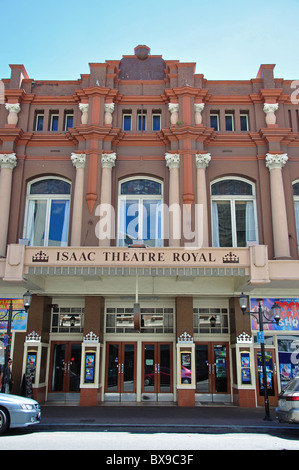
126,441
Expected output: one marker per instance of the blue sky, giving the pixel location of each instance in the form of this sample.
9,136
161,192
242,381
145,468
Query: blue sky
227,39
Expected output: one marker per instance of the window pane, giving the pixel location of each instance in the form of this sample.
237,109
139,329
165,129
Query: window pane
128,222
233,187
214,121
224,223
241,223
50,186
141,122
152,222
141,186
127,122
36,222
229,125
244,122
39,123
54,123
69,121
59,223
156,122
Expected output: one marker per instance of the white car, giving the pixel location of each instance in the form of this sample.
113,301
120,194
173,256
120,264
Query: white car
17,411
288,403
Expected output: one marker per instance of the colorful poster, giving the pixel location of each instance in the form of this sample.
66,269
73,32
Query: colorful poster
19,315
289,315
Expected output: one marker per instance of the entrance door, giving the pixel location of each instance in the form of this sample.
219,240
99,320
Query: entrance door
212,372
120,372
271,377
64,381
157,382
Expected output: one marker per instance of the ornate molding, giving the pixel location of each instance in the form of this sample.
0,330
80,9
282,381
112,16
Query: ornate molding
13,107
172,160
91,337
202,160
244,338
173,108
108,160
33,336
8,160
84,110
185,338
198,108
78,160
270,107
276,160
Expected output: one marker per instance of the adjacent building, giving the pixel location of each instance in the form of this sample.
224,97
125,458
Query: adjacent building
137,203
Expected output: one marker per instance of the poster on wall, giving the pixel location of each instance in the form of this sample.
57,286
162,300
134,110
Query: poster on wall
19,322
289,316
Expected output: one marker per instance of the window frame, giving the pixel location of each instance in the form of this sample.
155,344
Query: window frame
39,115
155,115
217,115
231,115
48,198
68,114
139,198
126,114
246,115
141,121
232,199
53,114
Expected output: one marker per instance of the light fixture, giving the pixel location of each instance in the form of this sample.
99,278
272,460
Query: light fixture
243,302
213,322
27,300
276,310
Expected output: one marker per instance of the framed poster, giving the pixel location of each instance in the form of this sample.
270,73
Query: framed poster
89,367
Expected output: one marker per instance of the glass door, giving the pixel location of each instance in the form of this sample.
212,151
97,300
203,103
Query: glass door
120,372
212,372
157,372
271,377
65,367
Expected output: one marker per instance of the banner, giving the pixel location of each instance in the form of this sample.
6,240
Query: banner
19,315
289,315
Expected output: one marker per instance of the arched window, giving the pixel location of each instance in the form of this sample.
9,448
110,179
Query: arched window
140,212
234,222
296,208
47,212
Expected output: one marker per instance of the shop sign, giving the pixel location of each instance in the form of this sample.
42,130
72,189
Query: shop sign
289,316
124,256
19,322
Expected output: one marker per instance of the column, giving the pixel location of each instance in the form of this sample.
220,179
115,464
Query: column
7,164
105,228
174,113
84,110
269,109
198,108
202,161
78,160
13,109
108,108
275,163
174,221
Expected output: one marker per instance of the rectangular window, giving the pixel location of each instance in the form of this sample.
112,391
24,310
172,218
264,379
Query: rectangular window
244,121
141,121
156,121
229,121
54,117
127,122
68,120
39,121
214,120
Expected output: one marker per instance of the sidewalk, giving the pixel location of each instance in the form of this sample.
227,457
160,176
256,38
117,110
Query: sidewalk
161,419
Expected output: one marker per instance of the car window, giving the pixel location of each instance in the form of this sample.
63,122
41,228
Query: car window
293,386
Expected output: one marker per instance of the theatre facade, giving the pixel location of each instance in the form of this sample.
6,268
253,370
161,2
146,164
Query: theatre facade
137,204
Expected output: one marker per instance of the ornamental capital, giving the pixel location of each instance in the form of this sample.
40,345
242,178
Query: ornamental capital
78,160
13,107
276,160
202,160
108,160
198,107
8,160
83,107
109,107
270,107
172,160
173,107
